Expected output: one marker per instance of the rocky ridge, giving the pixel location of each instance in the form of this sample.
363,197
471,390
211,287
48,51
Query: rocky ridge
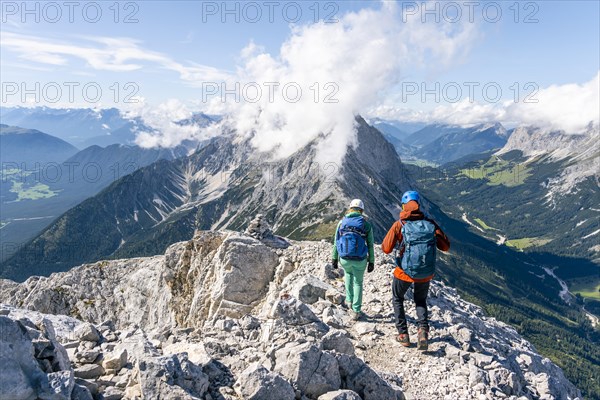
578,153
227,316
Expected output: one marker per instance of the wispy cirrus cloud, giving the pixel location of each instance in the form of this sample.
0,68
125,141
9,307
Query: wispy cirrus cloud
117,54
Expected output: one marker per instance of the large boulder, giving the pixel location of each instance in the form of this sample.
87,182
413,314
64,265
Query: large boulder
314,372
243,269
32,363
116,360
171,377
257,383
309,289
337,340
87,332
292,311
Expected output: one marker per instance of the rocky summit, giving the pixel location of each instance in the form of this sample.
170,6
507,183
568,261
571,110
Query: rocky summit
231,315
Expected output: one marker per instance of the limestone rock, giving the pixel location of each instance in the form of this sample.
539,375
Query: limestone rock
112,393
244,268
172,377
257,383
292,311
28,370
334,296
343,394
116,360
260,229
87,332
309,289
230,302
89,371
86,356
315,372
338,341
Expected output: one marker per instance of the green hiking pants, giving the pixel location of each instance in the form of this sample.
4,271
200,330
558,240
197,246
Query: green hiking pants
353,277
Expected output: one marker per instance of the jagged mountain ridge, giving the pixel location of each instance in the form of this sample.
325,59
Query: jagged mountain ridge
442,143
579,154
286,316
222,185
461,142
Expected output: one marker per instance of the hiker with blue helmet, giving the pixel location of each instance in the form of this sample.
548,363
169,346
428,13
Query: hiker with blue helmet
419,237
353,247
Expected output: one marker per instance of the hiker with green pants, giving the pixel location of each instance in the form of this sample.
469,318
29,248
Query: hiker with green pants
353,246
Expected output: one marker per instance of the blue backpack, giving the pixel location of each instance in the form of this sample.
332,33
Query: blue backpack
351,239
418,260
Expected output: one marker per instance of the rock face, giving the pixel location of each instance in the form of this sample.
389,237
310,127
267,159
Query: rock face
226,316
32,362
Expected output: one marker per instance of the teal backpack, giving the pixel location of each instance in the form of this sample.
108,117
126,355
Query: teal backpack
418,260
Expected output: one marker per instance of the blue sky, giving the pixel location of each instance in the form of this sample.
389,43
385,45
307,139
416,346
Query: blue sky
561,48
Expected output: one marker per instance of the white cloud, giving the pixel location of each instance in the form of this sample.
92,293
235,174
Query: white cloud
104,54
353,62
163,120
360,57
569,107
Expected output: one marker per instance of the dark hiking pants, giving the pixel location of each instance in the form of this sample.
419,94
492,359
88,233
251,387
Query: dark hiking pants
399,288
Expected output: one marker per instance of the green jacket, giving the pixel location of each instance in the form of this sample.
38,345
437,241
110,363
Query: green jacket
371,257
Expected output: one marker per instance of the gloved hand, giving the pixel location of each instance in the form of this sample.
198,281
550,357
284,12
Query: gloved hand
334,264
370,267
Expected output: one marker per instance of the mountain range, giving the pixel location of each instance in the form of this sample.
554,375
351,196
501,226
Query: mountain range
220,186
43,176
442,143
82,127
225,183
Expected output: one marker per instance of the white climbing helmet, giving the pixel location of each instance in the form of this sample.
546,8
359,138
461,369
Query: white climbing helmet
357,203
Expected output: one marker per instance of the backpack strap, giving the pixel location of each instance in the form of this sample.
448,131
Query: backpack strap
399,245
361,232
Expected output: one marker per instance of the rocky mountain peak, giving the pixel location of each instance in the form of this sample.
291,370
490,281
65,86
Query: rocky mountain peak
221,186
226,316
532,141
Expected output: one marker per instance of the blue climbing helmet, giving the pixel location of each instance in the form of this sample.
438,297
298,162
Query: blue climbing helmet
410,195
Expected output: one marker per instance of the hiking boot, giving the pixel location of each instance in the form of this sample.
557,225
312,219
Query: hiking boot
423,336
355,315
403,339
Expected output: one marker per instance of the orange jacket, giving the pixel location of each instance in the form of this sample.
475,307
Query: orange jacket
411,212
